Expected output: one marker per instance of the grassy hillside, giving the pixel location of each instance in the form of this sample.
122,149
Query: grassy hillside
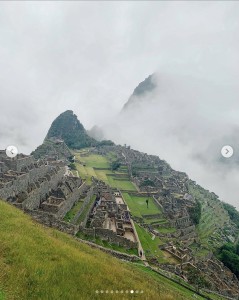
42,263
215,225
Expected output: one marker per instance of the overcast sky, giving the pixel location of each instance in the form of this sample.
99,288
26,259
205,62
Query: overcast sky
89,57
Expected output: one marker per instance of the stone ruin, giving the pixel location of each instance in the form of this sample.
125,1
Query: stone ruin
219,276
169,188
45,188
44,185
38,184
53,149
110,217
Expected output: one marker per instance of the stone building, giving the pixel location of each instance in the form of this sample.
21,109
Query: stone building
110,217
38,184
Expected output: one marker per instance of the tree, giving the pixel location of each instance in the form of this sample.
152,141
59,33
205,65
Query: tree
231,260
237,248
195,212
115,165
228,254
197,279
105,143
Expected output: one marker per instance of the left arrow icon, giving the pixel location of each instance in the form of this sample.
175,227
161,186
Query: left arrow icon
11,151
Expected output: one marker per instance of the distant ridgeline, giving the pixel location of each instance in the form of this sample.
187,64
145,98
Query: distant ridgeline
66,132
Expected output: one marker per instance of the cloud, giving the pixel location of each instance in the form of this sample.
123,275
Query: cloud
89,56
186,120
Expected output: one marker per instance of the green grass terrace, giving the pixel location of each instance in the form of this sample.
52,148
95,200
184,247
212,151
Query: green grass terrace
99,167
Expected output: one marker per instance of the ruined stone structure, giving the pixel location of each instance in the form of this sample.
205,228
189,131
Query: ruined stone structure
46,190
53,149
155,177
43,189
182,254
220,277
38,184
110,217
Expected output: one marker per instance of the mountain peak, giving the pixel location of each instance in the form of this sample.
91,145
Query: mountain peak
146,86
68,128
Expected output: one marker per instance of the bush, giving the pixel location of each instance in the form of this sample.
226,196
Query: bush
196,278
115,165
105,143
72,166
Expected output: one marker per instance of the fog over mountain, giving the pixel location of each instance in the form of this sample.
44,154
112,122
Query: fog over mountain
89,57
186,120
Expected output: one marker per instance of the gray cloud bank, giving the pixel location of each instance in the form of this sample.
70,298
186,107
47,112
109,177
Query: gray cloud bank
89,56
186,125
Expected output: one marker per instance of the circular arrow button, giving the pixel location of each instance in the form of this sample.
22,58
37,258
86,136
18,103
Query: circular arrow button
11,151
227,151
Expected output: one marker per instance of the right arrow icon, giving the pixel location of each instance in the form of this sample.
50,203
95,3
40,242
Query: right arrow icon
227,151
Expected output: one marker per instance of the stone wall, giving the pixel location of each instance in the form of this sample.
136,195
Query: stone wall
14,186
158,204
19,163
40,194
87,199
51,221
36,173
33,200
20,183
120,255
188,230
70,201
87,231
112,237
109,235
183,222
189,236
154,216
